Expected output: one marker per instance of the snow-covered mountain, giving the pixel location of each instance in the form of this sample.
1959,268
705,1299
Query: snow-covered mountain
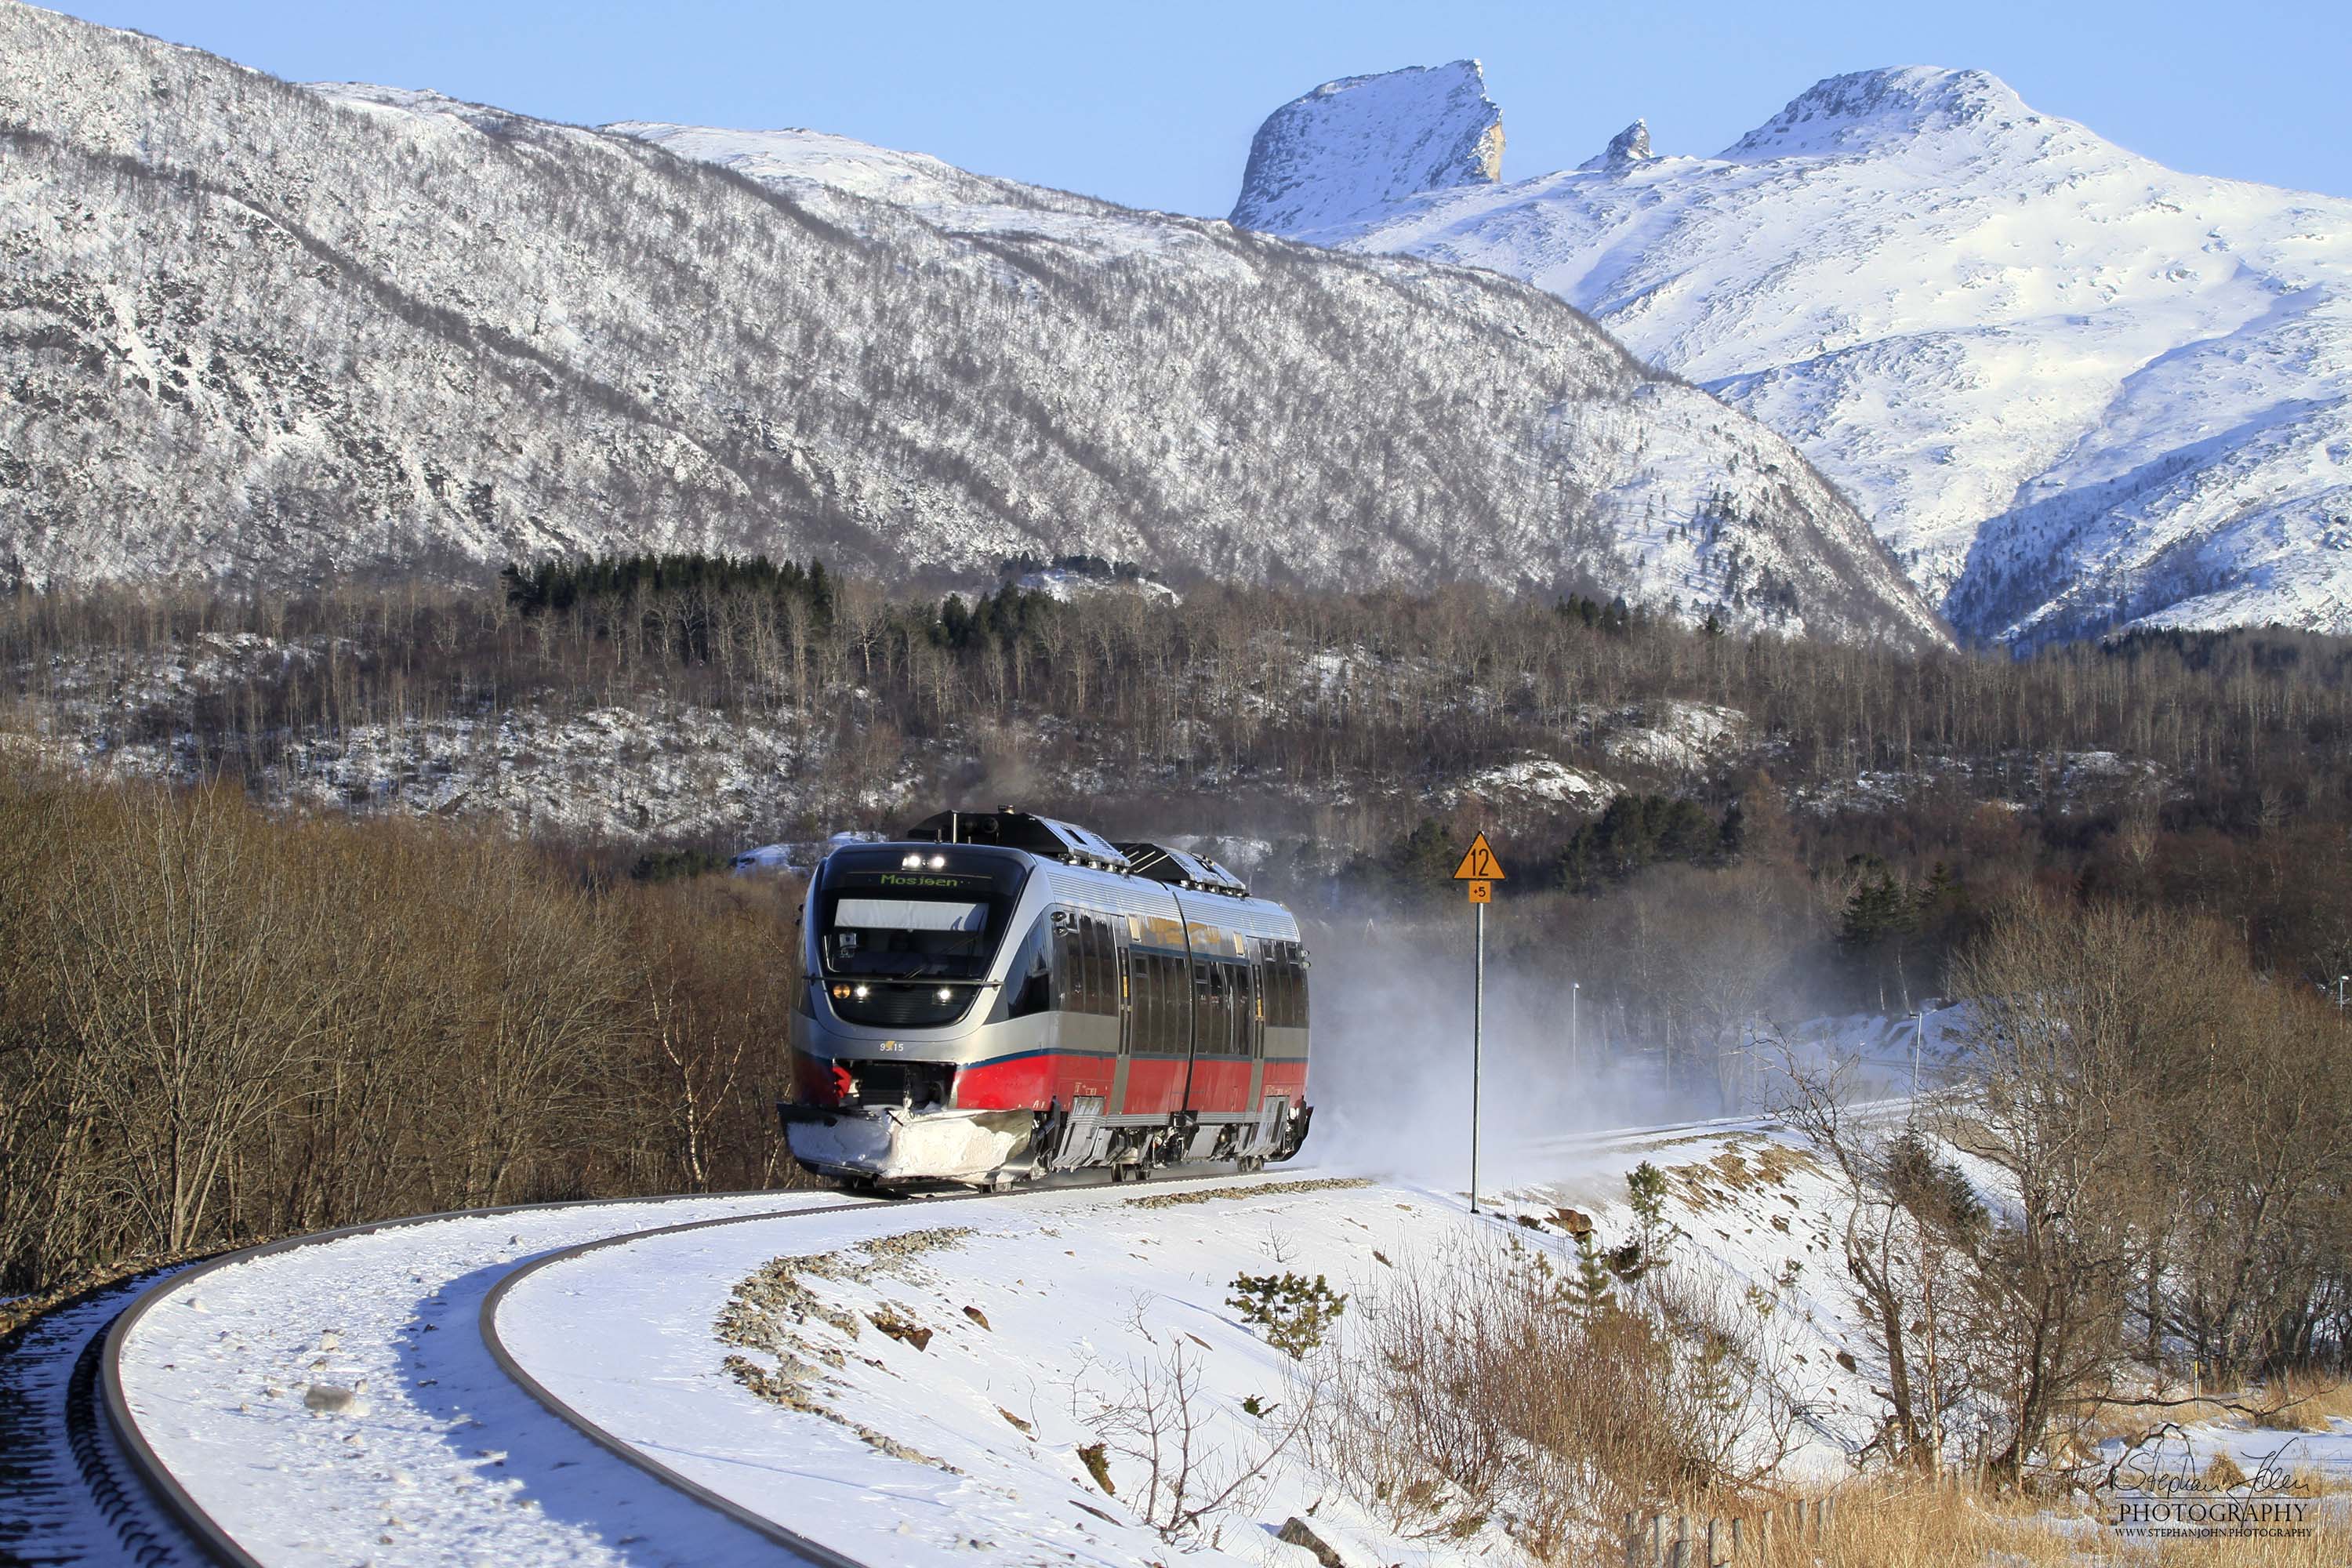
2073,389
1352,144
254,330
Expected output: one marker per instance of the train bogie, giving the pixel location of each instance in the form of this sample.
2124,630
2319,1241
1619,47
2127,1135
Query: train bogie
999,996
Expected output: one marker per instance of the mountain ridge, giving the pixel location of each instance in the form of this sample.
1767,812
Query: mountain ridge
2074,391
270,333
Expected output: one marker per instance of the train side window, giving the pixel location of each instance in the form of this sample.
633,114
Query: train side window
1221,1009
1155,991
1141,1014
1029,979
1179,1000
1106,963
1175,1024
1069,968
1163,1007
1092,937
1149,1026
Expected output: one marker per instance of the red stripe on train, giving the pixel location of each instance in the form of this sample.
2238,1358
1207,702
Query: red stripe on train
1033,1082
1154,1086
1221,1083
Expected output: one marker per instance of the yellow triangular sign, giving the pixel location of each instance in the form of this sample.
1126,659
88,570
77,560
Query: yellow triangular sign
1479,865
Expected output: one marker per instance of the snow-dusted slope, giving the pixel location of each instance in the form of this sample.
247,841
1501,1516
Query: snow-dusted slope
806,159
253,330
1352,144
2073,388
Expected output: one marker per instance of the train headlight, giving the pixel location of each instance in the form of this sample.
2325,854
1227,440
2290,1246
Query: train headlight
946,994
859,993
938,861
913,862
841,993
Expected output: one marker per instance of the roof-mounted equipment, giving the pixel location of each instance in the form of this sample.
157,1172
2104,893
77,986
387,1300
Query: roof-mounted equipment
1194,873
1009,829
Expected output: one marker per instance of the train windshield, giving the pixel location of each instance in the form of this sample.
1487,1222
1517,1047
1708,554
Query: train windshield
898,914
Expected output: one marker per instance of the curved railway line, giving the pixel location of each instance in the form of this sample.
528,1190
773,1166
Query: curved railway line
90,1473
86,1480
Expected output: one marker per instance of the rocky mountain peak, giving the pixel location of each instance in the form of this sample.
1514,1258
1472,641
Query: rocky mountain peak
1627,148
1849,113
1354,144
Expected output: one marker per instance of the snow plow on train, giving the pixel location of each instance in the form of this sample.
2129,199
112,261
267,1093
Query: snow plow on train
997,995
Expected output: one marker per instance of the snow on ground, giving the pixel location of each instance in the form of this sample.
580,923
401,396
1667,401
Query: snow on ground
1032,1315
441,1458
973,1437
1674,736
1060,583
913,1383
1534,779
798,159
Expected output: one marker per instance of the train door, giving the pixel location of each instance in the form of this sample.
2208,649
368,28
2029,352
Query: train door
1124,999
1254,973
1155,1025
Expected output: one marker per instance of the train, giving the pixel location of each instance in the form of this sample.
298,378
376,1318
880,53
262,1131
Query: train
995,997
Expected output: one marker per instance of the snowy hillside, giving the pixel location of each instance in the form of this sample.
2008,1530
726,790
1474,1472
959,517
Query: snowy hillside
256,330
2073,388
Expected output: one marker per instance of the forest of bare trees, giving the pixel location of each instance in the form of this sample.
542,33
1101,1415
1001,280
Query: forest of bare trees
2172,1133
239,1007
217,1025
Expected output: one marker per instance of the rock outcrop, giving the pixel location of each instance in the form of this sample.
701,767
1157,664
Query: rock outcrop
1353,145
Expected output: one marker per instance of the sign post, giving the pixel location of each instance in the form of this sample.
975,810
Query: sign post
1481,871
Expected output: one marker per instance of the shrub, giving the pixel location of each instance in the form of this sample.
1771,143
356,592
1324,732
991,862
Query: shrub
1294,1310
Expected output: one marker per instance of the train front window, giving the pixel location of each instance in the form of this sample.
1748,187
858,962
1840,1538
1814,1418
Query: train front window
880,919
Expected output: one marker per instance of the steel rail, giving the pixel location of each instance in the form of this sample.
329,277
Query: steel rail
53,1438
219,1546
1868,1111
177,1503
216,1542
760,1524
783,1535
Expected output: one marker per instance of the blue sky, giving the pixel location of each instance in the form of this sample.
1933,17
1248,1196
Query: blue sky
1154,105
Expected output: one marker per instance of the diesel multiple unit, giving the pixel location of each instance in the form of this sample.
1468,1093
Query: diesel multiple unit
998,995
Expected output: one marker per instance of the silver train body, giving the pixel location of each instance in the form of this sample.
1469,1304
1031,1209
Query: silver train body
997,995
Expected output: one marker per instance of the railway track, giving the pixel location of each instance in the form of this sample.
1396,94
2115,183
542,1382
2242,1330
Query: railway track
1868,1111
70,1493
106,1461
94,1467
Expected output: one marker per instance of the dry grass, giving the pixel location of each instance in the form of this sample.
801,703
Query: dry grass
2302,1400
1738,1168
1255,1190
2299,1400
1890,1524
1483,1387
